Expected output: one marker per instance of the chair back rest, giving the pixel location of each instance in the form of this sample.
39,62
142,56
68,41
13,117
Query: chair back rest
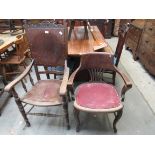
96,60
48,43
121,40
96,64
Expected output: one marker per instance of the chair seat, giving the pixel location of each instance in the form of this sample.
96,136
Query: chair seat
97,96
44,93
13,60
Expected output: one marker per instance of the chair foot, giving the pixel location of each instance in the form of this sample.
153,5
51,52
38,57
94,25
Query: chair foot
117,117
76,115
28,124
21,109
77,129
68,127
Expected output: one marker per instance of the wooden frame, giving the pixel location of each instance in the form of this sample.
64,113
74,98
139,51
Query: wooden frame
48,45
98,63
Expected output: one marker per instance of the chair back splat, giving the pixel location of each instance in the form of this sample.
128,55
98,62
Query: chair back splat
96,65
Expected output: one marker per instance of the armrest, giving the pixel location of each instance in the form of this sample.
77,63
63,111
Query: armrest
18,79
71,79
63,86
127,82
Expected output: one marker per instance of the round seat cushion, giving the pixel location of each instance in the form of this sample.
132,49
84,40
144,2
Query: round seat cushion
97,96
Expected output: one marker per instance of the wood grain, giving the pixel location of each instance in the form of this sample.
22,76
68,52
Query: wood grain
78,45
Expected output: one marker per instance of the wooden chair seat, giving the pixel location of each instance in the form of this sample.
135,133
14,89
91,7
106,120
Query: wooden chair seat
14,59
44,93
97,97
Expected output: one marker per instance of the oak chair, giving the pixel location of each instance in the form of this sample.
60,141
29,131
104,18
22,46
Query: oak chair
48,46
96,95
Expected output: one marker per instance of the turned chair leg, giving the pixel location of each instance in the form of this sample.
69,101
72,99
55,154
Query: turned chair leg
22,111
118,115
65,107
76,115
21,108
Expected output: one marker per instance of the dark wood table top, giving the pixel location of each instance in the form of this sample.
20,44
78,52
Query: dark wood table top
78,45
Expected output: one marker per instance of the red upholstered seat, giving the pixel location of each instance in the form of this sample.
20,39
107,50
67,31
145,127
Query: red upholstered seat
97,96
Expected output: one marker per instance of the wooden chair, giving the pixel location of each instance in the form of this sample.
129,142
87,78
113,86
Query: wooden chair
96,95
48,45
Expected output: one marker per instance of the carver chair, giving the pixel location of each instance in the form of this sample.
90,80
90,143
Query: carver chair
95,95
48,46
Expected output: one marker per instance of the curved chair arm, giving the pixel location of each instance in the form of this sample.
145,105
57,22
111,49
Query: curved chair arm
63,86
18,79
72,77
127,83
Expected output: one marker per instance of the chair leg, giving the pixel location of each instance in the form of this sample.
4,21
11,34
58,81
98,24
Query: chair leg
86,30
4,74
68,95
117,117
65,107
72,24
76,115
21,108
22,111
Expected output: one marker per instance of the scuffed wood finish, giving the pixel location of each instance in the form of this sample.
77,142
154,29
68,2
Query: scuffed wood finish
134,35
146,50
78,45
